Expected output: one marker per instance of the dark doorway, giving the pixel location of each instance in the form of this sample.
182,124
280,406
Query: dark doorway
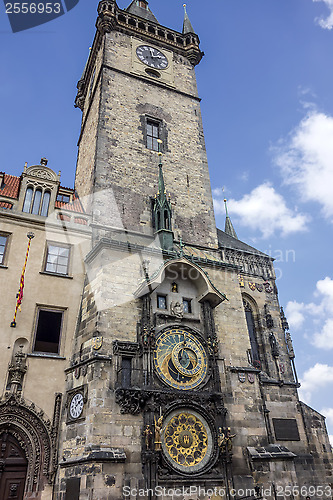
13,468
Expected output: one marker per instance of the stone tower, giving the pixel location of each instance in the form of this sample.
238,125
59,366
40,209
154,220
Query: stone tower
182,369
139,86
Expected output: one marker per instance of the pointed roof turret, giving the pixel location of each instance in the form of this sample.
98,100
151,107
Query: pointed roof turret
229,228
187,26
162,212
140,8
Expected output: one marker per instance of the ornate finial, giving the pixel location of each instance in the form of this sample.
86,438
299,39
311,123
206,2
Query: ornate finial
30,235
43,162
226,207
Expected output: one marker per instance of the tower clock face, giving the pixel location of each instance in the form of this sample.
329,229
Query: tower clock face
152,57
180,359
76,405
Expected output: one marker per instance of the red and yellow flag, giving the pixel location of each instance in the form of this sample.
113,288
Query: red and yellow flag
19,296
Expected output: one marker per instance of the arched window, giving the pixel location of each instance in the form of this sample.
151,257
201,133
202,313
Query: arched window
255,359
36,203
28,200
45,205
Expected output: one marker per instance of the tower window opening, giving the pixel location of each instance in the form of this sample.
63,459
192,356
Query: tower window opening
153,133
48,331
161,301
126,372
187,306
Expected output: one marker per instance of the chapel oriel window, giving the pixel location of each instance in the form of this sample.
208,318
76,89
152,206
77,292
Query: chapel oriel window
36,203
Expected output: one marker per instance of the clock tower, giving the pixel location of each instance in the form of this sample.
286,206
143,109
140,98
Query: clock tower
139,87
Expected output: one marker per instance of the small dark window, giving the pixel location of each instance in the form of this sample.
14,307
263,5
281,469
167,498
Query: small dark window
64,198
187,306
153,133
161,302
3,246
73,488
48,331
126,372
57,259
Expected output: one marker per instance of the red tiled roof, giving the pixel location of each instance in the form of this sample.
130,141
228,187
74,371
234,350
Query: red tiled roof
10,189
10,186
73,206
4,204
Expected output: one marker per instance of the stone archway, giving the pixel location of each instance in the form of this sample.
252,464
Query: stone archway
13,468
36,436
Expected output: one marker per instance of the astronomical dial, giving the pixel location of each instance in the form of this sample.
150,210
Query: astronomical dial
187,441
76,405
152,57
180,359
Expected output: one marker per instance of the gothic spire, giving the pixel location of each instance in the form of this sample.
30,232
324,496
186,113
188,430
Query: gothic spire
162,212
229,228
187,26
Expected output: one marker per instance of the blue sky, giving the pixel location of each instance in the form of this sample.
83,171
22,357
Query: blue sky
267,82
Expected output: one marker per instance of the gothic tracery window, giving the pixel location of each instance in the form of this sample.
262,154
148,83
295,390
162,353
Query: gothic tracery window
255,358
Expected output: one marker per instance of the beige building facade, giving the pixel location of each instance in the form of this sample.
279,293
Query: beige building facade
151,357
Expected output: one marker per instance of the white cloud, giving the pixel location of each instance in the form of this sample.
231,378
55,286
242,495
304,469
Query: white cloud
324,338
306,160
266,211
328,413
218,191
331,440
317,377
328,22
295,314
320,314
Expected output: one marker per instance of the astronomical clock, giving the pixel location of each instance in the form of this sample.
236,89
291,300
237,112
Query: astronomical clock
183,433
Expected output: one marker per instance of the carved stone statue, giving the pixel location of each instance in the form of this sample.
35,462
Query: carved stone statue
274,345
17,370
177,309
158,431
290,346
148,434
221,440
229,438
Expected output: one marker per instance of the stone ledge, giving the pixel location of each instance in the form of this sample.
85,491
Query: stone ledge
116,455
270,452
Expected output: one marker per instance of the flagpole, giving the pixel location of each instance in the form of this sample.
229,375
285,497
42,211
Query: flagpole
19,296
